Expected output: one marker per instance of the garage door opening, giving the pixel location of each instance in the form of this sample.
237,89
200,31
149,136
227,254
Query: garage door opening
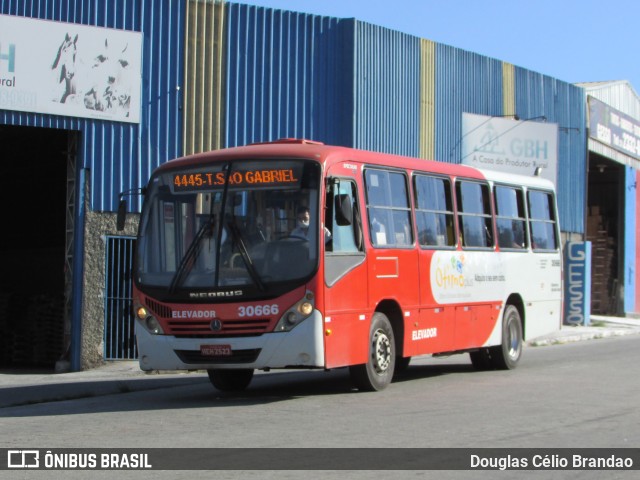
605,230
33,245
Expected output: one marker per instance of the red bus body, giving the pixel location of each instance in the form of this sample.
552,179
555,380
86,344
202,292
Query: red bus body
437,300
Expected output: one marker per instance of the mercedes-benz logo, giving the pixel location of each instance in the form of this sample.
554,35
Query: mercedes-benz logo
216,325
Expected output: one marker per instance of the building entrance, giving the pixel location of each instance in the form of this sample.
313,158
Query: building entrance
605,231
33,245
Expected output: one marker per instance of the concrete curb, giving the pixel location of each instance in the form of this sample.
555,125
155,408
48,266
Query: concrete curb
601,327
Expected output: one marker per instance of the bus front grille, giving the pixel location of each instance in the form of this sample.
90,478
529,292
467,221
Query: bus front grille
218,328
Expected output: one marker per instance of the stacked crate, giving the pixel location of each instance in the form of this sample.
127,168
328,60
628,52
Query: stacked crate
45,313
32,329
603,263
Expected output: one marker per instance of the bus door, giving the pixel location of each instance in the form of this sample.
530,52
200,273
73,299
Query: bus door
393,260
345,275
437,262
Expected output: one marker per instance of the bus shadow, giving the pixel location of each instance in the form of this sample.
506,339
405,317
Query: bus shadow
417,372
190,391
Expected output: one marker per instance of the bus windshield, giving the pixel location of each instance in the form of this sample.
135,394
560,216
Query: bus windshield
229,229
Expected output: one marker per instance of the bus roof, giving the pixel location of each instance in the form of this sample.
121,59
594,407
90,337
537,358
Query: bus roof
532,181
330,154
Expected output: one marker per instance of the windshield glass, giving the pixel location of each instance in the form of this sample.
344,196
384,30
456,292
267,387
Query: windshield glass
229,229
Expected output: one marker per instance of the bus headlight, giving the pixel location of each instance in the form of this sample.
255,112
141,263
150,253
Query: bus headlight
296,314
149,322
305,308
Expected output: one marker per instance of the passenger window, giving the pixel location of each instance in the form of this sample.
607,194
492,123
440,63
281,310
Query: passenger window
474,214
510,218
434,211
542,221
388,208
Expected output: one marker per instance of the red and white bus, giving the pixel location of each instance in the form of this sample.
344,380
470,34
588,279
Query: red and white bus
400,257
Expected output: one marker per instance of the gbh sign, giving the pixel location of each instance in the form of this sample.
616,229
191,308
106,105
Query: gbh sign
512,146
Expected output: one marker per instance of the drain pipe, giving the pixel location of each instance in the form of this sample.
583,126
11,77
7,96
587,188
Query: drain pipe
78,272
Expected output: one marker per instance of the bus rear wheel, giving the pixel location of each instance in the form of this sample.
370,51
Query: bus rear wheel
507,355
377,373
230,380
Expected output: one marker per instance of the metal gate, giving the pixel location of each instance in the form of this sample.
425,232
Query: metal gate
119,335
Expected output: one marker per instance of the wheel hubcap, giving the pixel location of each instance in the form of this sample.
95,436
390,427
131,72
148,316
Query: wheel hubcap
514,343
382,351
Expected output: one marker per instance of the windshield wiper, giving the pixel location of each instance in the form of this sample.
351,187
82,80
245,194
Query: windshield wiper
244,253
186,264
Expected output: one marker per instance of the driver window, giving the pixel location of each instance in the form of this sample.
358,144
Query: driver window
345,238
345,251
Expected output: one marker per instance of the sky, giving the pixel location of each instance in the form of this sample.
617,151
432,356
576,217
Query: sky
571,40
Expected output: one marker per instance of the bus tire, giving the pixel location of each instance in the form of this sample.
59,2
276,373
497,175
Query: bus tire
507,355
230,380
377,373
481,359
402,365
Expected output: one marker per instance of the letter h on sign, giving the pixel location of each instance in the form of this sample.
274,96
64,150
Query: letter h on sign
9,57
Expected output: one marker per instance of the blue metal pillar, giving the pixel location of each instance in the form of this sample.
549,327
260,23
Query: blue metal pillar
78,272
629,273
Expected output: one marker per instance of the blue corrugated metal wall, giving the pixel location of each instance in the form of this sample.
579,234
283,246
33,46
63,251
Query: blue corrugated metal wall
465,82
342,82
290,74
564,104
121,156
387,91
287,75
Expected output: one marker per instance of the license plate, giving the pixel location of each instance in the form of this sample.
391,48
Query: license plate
215,350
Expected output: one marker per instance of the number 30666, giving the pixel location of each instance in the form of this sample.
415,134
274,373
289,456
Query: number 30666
258,310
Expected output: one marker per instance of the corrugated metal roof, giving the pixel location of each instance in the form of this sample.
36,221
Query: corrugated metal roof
619,94
121,156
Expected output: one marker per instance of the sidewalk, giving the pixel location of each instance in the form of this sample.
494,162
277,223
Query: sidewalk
26,388
600,327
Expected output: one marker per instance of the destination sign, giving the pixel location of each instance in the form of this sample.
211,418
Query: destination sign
268,177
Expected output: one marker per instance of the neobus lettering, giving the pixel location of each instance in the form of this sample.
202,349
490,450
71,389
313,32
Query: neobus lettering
229,293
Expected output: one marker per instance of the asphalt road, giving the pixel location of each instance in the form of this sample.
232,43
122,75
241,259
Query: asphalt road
577,395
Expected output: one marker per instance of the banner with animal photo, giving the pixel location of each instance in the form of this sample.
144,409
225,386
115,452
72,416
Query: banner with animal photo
69,69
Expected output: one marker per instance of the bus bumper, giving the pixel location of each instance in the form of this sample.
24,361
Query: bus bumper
302,347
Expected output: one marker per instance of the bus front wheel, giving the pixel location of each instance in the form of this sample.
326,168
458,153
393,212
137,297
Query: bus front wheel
230,380
377,373
507,355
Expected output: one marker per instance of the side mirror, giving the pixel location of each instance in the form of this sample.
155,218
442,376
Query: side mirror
122,214
344,210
